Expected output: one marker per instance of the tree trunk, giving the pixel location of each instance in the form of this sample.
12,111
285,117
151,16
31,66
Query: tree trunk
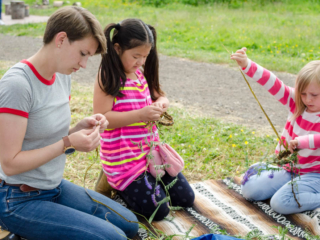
17,10
26,12
7,9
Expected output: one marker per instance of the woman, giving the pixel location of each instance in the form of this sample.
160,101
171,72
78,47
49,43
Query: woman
35,202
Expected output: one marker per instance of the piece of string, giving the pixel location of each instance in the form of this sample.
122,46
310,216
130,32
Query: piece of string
258,102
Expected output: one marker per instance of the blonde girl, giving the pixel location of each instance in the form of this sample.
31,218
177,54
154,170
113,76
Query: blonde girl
301,131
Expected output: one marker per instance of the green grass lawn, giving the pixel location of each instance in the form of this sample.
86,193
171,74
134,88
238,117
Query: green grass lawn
281,36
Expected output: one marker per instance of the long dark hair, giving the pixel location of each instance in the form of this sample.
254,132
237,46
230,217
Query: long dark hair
130,33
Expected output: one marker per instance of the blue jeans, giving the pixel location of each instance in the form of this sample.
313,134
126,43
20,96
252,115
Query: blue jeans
66,212
277,186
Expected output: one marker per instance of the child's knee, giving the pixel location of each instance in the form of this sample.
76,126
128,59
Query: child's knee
278,206
148,210
132,228
252,193
162,212
281,203
248,193
131,216
189,200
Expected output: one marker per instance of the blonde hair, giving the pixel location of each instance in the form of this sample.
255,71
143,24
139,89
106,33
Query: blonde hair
78,23
309,73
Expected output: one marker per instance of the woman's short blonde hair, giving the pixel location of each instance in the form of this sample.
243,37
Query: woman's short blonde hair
78,23
309,73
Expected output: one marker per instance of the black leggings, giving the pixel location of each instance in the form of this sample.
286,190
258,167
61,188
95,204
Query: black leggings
142,195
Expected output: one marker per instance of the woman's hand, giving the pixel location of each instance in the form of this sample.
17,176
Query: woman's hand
241,57
150,113
293,144
85,140
93,121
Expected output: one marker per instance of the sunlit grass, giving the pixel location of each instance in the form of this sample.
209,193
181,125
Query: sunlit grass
280,36
4,66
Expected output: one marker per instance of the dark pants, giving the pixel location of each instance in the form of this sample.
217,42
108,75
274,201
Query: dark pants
142,195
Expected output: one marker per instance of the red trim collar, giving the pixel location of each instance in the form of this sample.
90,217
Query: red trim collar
34,70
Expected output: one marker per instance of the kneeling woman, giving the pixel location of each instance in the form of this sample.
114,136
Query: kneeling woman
35,202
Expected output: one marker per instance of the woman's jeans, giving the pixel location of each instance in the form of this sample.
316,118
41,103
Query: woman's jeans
66,212
277,186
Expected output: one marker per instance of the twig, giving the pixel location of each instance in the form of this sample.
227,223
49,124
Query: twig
275,131
292,182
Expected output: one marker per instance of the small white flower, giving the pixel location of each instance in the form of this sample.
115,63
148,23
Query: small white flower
182,144
183,151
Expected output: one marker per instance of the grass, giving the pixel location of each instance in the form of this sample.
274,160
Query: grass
281,36
4,66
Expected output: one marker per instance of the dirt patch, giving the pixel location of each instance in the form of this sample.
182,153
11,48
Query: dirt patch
207,89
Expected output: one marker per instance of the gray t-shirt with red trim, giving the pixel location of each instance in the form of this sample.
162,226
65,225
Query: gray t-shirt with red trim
45,103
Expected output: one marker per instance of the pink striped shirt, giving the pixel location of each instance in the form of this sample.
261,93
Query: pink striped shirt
306,128
123,160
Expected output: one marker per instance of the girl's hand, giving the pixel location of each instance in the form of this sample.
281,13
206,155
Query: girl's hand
293,144
150,113
241,57
85,140
93,121
162,105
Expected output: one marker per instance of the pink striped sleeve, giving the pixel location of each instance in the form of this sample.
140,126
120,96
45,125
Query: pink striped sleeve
316,139
265,77
252,69
309,141
276,87
285,98
273,84
303,141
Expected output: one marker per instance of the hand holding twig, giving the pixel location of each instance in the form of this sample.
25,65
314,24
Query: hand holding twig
293,144
240,57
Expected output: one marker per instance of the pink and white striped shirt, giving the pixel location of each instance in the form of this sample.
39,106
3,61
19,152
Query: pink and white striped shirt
123,160
306,128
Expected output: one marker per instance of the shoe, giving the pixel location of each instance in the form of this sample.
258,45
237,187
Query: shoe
5,235
2,22
103,187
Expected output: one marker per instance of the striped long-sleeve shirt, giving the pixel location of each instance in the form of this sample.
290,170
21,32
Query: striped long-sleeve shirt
305,128
122,159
